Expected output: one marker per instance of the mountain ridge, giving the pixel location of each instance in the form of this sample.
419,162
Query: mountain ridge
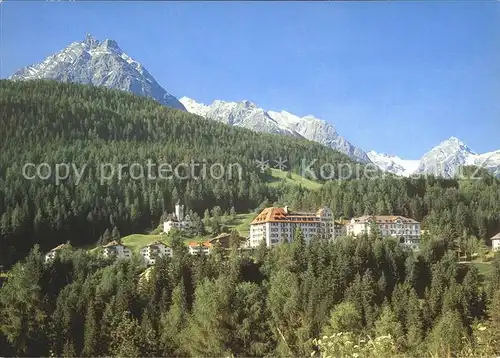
247,114
99,64
444,160
106,64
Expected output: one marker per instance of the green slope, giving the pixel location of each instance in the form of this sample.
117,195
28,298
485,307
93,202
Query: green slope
279,177
54,123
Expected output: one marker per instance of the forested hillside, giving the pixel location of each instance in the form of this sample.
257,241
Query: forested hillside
45,121
49,122
365,297
452,209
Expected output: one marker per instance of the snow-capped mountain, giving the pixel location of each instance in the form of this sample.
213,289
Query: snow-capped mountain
393,164
247,114
99,64
105,64
320,131
490,161
444,160
241,114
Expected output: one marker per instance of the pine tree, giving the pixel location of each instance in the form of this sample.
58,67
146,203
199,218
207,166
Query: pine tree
447,335
69,349
91,333
126,340
388,324
298,248
344,317
115,235
209,327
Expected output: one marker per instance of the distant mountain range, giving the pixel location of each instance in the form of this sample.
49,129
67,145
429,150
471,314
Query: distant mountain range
443,160
247,114
105,64
393,164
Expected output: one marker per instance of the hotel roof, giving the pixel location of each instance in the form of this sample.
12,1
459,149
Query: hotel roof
285,215
384,219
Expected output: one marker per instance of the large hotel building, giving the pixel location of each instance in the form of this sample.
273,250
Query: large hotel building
276,225
405,230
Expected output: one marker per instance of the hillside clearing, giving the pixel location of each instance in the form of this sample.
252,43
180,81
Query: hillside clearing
278,176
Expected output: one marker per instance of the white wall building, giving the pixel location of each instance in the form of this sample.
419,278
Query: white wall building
155,250
177,221
495,242
275,225
199,248
116,250
51,255
406,230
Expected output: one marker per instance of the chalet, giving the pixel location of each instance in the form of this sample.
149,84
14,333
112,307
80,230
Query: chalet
51,255
199,248
495,242
116,250
224,240
155,250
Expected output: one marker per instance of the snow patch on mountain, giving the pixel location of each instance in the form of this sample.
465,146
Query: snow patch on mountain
445,159
241,114
248,115
99,64
394,164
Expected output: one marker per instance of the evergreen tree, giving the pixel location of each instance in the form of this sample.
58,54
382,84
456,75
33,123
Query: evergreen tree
345,317
91,333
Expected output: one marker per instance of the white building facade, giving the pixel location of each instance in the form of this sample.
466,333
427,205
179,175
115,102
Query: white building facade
495,242
406,230
277,225
51,255
199,248
116,250
177,221
150,253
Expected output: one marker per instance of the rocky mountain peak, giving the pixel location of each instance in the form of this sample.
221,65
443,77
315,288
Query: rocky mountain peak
249,115
91,41
99,64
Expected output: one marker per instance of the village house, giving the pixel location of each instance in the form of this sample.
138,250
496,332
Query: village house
199,248
406,230
116,250
276,225
51,255
177,220
155,250
224,240
495,242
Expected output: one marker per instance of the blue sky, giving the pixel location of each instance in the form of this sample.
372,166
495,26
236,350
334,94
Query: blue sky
395,77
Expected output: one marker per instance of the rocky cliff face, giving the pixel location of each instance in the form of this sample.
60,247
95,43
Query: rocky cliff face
249,115
99,64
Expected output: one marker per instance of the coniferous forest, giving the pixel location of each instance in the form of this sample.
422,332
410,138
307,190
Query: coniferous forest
354,297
